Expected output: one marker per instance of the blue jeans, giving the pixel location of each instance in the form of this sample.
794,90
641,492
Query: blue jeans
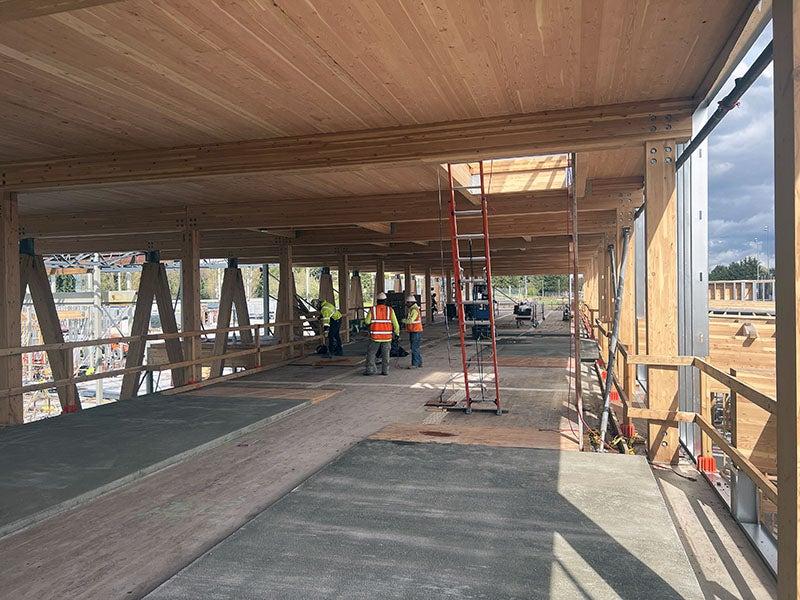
415,338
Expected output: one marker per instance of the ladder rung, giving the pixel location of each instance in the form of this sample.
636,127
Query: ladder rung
473,302
466,187
474,279
468,213
469,236
471,322
471,258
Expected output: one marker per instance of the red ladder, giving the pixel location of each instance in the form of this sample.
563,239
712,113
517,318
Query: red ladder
459,279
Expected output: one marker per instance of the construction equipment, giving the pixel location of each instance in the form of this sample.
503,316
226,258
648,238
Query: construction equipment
478,286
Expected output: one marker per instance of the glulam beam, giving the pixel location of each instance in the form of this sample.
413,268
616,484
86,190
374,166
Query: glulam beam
545,132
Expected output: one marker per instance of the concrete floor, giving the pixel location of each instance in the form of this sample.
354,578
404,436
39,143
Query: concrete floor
132,539
391,520
50,465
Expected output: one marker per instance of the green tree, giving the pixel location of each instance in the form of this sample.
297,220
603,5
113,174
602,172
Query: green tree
65,283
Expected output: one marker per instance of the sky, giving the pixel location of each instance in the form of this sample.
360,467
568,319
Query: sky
740,188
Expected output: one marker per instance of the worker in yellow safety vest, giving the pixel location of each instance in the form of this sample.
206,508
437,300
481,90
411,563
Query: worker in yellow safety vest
331,325
413,323
383,326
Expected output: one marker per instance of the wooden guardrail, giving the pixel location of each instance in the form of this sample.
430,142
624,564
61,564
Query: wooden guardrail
710,435
257,350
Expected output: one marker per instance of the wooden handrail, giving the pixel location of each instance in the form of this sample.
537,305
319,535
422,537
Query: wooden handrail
769,404
758,478
160,367
737,385
140,338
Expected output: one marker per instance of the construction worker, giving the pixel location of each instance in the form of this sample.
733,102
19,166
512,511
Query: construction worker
413,323
383,327
331,325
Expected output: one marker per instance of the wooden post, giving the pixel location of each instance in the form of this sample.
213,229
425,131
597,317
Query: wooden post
166,314
139,326
35,275
427,295
285,311
662,294
11,409
223,318
242,310
706,446
407,288
380,276
190,300
344,296
786,35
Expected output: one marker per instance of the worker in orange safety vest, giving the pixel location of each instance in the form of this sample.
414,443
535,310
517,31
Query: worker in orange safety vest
383,326
413,323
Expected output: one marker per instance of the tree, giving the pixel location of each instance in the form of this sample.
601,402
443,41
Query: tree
747,268
65,283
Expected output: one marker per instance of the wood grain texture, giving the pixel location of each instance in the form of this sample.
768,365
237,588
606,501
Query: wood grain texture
662,293
10,326
786,34
142,74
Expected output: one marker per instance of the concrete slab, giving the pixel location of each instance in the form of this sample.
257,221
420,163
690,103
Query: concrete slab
51,465
396,520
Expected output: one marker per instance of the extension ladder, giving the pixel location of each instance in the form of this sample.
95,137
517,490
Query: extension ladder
460,277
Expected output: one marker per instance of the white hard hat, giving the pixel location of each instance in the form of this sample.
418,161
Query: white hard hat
410,298
381,296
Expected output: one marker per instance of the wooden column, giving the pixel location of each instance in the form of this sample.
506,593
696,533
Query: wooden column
139,326
427,295
344,296
232,294
407,289
786,34
285,311
34,275
153,284
190,300
11,412
380,276
326,285
662,293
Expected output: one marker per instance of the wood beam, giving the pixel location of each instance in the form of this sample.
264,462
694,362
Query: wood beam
344,296
139,327
285,310
380,275
786,32
224,314
14,10
268,218
384,228
61,364
190,300
662,294
577,129
11,408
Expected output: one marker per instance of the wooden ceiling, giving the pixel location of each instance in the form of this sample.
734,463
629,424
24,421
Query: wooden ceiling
149,74
122,86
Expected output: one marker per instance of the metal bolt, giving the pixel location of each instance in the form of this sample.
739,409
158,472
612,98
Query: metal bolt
668,117
653,161
653,150
668,160
652,117
668,149
653,128
668,127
